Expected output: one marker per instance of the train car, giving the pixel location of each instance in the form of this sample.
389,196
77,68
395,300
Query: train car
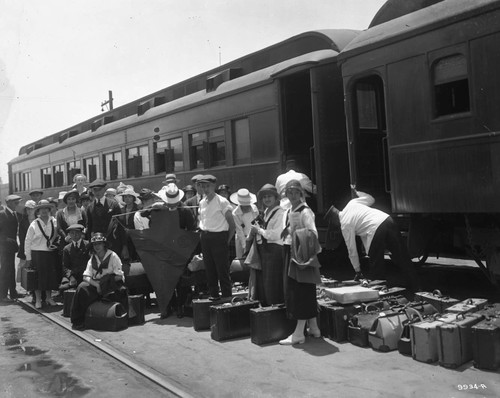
241,122
421,107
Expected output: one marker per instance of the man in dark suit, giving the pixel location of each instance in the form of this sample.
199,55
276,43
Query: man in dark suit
100,214
193,202
9,223
75,257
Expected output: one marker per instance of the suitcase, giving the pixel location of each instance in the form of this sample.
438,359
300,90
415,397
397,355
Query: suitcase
486,344
423,337
423,308
136,305
201,312
68,302
323,322
106,315
231,320
490,310
351,294
469,305
337,320
455,340
270,324
404,343
359,326
386,331
29,279
437,299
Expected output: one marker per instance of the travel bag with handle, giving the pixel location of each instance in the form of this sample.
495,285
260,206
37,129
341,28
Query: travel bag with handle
231,320
486,344
469,305
437,299
360,324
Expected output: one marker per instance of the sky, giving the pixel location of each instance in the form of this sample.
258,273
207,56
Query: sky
59,58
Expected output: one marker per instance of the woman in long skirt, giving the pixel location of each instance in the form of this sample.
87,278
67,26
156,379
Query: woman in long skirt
41,252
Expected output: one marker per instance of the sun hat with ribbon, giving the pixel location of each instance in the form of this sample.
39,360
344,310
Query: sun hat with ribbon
128,192
170,194
243,197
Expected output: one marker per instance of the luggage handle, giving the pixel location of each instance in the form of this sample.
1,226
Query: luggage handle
410,310
236,299
367,307
437,292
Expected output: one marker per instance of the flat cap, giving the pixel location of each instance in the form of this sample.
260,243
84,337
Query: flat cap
207,178
11,198
98,183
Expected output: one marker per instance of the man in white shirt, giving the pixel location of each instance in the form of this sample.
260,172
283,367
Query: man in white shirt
216,230
378,232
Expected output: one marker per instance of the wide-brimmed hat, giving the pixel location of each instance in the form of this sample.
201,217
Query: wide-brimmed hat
170,178
294,184
98,237
75,227
243,197
122,187
44,204
35,191
128,192
171,194
98,183
268,189
11,198
30,204
73,192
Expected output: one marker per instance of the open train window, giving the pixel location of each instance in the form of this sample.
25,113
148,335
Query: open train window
112,165
46,177
73,170
451,85
138,161
25,181
207,149
91,166
168,155
58,172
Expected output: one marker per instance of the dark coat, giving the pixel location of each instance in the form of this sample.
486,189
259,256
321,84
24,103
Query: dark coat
8,231
99,219
74,261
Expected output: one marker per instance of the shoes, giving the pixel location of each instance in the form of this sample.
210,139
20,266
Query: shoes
359,276
78,326
38,305
314,333
292,340
50,302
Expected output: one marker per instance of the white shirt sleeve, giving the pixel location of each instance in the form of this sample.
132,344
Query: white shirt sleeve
350,241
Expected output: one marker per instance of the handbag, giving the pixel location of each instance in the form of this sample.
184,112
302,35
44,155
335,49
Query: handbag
196,263
252,259
386,330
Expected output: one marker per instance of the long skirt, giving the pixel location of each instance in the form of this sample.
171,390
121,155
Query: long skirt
300,298
269,280
45,262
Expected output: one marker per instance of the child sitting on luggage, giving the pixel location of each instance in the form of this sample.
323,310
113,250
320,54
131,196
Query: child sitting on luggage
75,257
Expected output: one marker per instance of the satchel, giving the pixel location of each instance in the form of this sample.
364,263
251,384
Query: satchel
386,330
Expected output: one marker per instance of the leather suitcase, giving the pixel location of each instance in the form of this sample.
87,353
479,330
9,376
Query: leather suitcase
386,331
338,317
436,298
455,340
404,343
423,337
270,324
486,344
359,326
469,305
68,302
106,315
231,320
323,322
201,312
136,305
29,279
351,294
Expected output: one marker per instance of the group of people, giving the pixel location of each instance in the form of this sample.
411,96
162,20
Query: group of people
85,242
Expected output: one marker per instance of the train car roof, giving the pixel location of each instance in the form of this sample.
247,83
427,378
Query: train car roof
304,43
258,77
426,19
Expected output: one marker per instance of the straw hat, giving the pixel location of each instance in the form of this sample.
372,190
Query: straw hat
73,192
44,204
243,197
171,194
268,189
129,192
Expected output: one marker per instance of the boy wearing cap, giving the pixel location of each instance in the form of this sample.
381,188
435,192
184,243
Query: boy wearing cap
75,257
216,230
9,222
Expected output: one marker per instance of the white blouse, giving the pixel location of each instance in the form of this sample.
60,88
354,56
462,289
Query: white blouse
35,240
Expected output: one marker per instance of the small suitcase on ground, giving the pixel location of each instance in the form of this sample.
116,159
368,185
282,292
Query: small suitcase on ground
359,326
423,335
469,305
436,298
201,312
106,315
338,317
351,294
486,344
270,324
323,322
455,340
68,301
231,320
29,279
136,305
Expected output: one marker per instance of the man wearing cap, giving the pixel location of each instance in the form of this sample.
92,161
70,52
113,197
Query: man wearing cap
216,229
194,201
75,257
170,179
9,222
100,213
142,218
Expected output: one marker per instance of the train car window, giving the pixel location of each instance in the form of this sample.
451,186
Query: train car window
91,166
451,85
74,168
46,177
168,155
138,161
58,172
241,141
25,181
207,149
366,99
112,166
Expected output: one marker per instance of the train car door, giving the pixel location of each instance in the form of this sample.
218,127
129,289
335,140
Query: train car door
369,140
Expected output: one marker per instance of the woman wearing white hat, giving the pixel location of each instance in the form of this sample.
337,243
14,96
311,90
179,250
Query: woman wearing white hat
41,252
244,214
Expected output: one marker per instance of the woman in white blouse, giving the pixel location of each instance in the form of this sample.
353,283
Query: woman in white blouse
269,279
41,252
